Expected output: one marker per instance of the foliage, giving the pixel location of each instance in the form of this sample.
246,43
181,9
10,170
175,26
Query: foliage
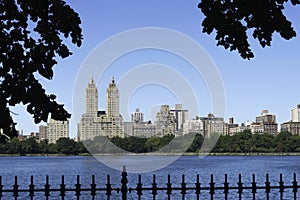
232,21
32,34
30,146
243,142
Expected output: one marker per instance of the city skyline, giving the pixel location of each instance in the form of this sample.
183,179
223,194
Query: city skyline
112,112
110,123
269,81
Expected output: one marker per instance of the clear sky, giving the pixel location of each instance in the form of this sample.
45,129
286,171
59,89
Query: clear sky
269,81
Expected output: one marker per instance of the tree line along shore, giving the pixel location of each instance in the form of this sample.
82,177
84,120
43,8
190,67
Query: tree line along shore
244,143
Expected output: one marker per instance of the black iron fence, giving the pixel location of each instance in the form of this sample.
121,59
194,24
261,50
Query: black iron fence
169,190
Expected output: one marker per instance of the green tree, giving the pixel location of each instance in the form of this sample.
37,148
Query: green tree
233,20
66,146
165,140
32,35
196,144
152,144
30,145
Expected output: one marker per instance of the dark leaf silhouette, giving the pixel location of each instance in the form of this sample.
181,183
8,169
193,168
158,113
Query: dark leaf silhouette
232,20
32,34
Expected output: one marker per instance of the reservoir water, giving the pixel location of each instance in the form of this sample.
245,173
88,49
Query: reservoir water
85,166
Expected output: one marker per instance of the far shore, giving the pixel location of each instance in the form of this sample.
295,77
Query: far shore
163,154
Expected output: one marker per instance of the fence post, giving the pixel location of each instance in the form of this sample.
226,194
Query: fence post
240,186
212,187
93,187
198,187
295,186
154,187
139,187
281,187
254,187
78,185
108,187
31,188
47,187
16,187
183,187
124,181
1,187
268,187
226,187
62,187
169,187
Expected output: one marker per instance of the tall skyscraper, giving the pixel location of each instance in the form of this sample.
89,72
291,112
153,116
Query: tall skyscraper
91,98
112,100
95,123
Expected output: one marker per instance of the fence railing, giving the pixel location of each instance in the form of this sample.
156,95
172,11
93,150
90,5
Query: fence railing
152,189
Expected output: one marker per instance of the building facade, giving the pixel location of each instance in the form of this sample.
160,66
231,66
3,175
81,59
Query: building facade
265,123
193,126
292,127
137,116
57,129
165,122
95,123
43,132
295,114
212,124
180,115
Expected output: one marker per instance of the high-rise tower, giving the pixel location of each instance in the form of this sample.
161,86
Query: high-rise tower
112,100
91,98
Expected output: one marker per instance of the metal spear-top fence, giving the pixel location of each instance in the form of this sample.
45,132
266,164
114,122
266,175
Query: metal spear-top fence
169,191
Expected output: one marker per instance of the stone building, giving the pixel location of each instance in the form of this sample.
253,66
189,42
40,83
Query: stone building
95,123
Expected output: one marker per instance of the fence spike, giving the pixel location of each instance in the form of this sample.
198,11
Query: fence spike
254,187
295,186
16,187
212,186
240,186
93,186
31,187
47,187
198,186
183,186
169,186
281,186
108,187
124,181
1,187
226,185
154,186
77,187
139,187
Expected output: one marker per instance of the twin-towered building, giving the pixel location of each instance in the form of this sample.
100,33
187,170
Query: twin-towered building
101,123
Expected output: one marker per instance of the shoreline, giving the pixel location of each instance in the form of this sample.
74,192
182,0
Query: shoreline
159,154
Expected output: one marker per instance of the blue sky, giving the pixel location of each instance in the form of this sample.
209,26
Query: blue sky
269,81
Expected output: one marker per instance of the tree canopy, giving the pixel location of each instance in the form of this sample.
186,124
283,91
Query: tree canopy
233,20
32,39
33,34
